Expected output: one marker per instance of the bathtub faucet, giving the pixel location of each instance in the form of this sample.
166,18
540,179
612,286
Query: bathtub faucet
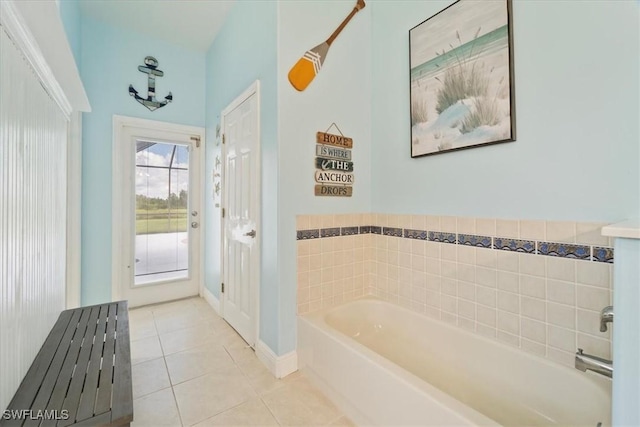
606,316
586,362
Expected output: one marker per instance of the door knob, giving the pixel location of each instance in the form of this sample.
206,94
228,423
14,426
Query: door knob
251,233
194,224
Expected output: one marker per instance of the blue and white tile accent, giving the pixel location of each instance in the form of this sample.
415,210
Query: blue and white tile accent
391,231
602,254
415,234
473,240
555,249
524,246
307,234
330,232
349,231
564,250
442,237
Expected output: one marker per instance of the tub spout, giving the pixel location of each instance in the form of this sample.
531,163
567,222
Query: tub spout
597,364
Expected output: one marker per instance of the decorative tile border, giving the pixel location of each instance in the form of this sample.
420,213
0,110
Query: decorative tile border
307,234
349,231
415,234
391,231
525,246
436,236
562,250
365,229
602,254
330,232
473,240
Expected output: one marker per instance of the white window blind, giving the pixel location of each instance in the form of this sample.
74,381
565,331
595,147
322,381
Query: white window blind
33,186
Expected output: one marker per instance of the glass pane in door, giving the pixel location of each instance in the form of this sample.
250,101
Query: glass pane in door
162,206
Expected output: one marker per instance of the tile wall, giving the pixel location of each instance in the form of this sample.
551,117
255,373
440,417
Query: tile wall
536,285
333,260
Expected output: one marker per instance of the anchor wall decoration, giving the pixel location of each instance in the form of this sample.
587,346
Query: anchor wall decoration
151,70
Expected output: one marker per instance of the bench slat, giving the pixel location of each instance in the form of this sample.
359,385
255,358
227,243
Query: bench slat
64,379
100,420
122,406
38,370
88,398
103,400
72,400
44,394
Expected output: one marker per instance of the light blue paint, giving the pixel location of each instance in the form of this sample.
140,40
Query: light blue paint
576,156
245,50
340,93
109,63
71,19
626,332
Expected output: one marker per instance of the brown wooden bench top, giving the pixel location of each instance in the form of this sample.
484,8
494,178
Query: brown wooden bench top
82,371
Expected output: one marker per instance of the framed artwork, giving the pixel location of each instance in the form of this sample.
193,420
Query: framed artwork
461,62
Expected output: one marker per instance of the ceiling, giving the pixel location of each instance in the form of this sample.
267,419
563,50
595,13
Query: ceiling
192,24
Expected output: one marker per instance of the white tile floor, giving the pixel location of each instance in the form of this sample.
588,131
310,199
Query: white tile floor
191,368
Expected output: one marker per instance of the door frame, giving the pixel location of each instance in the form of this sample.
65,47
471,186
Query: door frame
118,184
253,89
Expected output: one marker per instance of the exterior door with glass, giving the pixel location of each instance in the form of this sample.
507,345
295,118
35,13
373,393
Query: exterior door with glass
157,211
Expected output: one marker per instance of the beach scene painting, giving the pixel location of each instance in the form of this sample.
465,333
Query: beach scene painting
462,78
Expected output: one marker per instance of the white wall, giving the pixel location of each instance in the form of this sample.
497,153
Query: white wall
340,93
32,215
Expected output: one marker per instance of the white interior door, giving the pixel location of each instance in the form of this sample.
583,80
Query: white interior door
241,218
157,212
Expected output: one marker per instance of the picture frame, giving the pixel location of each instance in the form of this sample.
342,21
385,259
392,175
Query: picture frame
461,78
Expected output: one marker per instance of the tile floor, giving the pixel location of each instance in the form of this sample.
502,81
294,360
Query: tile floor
191,368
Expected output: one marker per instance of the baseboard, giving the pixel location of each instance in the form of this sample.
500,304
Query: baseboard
279,366
211,299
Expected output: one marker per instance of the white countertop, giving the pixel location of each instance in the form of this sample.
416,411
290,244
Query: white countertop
629,229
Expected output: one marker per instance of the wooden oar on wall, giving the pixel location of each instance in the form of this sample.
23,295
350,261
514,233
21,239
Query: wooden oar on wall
305,70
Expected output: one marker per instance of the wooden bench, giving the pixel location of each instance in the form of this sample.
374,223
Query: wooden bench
82,373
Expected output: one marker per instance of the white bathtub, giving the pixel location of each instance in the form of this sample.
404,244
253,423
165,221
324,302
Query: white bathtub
386,365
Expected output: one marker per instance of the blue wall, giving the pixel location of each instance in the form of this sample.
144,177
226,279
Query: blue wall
577,154
245,50
340,93
109,63
71,19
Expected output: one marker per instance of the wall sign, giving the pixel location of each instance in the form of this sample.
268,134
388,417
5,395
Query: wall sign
333,177
334,190
337,140
333,164
336,153
151,70
334,170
